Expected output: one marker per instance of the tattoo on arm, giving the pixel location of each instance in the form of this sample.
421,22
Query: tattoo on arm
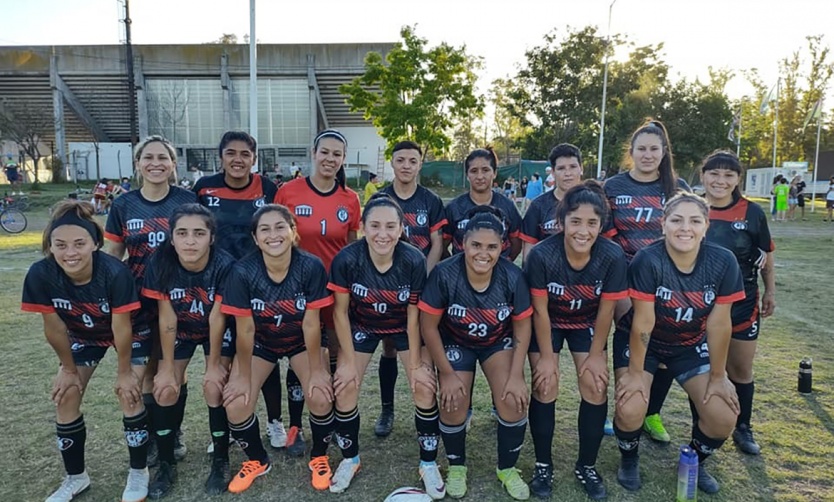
644,337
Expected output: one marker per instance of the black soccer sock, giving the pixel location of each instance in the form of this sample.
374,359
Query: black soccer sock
219,427
347,432
628,441
150,404
660,389
426,421
180,406
136,435
165,421
321,428
704,446
71,440
591,423
694,411
542,422
295,398
387,380
248,436
745,401
333,363
271,391
454,442
510,441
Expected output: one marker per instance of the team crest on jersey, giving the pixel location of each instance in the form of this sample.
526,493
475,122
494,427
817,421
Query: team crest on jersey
462,224
623,200
104,305
304,210
135,224
598,288
740,225
663,293
709,294
453,354
258,305
300,302
422,218
60,303
359,290
456,310
210,292
360,336
554,288
176,294
342,214
259,202
403,294
503,312
77,347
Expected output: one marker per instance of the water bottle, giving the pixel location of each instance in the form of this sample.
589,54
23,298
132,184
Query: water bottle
805,376
687,475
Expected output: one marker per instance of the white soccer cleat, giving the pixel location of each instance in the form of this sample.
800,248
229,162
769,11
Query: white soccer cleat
136,488
72,485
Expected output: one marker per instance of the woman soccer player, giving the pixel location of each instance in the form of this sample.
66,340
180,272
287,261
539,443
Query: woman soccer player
741,226
682,289
327,216
138,224
575,282
636,198
186,277
86,298
377,281
275,296
476,309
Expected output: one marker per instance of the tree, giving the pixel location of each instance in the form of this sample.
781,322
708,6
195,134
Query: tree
416,93
168,105
25,126
226,39
507,128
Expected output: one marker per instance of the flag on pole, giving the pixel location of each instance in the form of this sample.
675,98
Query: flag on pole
770,97
731,135
814,114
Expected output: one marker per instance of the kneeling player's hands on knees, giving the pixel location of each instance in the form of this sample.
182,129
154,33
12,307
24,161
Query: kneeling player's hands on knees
237,387
216,376
597,367
165,386
515,391
722,388
423,376
127,387
452,391
546,376
630,385
320,381
64,382
345,378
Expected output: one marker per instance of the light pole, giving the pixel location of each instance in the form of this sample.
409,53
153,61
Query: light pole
604,91
253,77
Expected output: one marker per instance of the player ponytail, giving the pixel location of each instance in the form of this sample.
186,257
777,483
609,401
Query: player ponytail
165,258
724,159
482,153
72,212
589,192
341,177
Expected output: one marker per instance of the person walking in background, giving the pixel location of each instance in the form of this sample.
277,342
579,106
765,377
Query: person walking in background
829,199
370,188
534,189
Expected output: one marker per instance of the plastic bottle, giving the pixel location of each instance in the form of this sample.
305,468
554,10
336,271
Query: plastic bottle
805,376
687,475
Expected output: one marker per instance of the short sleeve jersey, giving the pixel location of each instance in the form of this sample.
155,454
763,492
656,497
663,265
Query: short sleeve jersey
540,219
85,309
233,208
192,294
423,214
277,308
323,219
456,220
574,295
636,211
682,302
142,225
472,318
742,228
781,191
378,301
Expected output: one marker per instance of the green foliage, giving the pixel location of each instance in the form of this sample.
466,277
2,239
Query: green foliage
416,92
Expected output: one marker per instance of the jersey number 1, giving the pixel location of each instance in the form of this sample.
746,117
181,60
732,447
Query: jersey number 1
323,227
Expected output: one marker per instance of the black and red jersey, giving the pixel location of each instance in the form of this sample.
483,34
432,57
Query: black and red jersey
573,296
540,219
423,214
378,300
233,208
323,220
277,308
142,225
472,318
456,220
636,211
682,301
85,309
192,294
742,228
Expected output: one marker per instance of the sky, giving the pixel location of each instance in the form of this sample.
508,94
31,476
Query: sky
736,34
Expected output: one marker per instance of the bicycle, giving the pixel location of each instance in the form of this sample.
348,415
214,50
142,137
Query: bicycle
13,220
20,201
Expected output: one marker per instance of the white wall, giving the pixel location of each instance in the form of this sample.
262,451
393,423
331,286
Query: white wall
365,143
115,161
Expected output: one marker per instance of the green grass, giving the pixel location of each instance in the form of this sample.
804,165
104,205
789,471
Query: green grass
796,432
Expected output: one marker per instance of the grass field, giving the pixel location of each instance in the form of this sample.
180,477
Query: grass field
796,432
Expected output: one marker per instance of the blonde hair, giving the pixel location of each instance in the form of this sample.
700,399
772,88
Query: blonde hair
172,152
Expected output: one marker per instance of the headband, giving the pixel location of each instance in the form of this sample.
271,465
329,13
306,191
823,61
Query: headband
72,218
486,221
330,133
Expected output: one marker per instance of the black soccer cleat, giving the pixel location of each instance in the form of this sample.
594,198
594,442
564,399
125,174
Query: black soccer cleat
628,475
706,482
163,481
219,477
743,438
591,481
542,483
385,422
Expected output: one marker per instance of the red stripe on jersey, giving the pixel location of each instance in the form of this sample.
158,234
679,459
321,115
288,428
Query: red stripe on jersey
320,304
113,237
425,307
538,292
610,233
337,288
619,295
439,225
514,234
524,315
130,307
639,295
234,311
252,192
527,238
735,297
34,307
736,212
156,295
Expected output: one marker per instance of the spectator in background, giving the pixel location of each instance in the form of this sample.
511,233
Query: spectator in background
295,171
522,189
13,175
550,181
776,181
829,199
125,185
781,193
800,195
793,198
508,187
100,195
534,189
370,188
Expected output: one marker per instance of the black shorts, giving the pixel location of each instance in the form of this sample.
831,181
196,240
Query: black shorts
747,318
800,201
579,340
91,355
184,349
682,362
463,358
273,356
367,343
829,204
620,345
